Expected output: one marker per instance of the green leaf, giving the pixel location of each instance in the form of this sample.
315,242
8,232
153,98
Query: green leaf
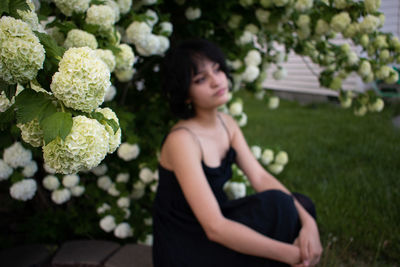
32,105
97,2
58,124
9,89
16,5
16,177
100,118
113,124
4,6
6,118
64,27
53,50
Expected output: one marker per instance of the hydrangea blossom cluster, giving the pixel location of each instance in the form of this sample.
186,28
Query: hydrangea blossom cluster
102,16
81,80
21,54
71,187
108,57
23,190
68,7
31,133
30,16
128,151
84,148
115,138
274,163
80,38
5,170
193,13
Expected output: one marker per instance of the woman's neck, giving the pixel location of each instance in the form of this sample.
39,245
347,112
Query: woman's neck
206,118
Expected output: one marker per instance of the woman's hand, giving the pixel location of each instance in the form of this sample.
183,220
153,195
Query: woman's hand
309,243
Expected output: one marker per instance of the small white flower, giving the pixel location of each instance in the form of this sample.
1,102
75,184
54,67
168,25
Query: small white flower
17,156
51,182
77,191
103,208
123,202
361,111
245,38
242,121
123,230
236,108
377,106
30,169
104,182
108,223
122,177
192,13
146,175
100,170
267,156
23,190
253,58
275,168
234,21
48,169
113,191
61,196
154,187
250,74
282,158
128,151
70,180
235,190
166,28
273,102
138,190
153,18
110,93
256,150
5,170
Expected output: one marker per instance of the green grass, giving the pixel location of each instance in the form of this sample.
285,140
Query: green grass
349,166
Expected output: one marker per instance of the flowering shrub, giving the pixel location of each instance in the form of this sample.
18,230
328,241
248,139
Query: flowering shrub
91,73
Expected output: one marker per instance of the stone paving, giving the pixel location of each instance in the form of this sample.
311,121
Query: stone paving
79,253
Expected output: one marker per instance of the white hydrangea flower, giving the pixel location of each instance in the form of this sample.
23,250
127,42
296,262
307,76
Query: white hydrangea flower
369,24
124,6
138,190
245,38
303,21
122,177
100,170
115,138
30,16
114,6
377,106
77,191
149,46
383,72
125,58
48,169
346,102
262,15
108,57
361,111
51,182
253,58
164,45
4,102
193,13
303,5
282,158
267,156
256,150
102,16
123,202
24,189
30,169
252,28
103,208
340,4
234,190
108,223
273,102
322,27
280,3
275,168
393,76
104,182
110,93
234,21
60,196
381,41
242,120
280,73
81,80
84,148
250,74
166,28
113,191
236,108
70,180
123,230
384,56
153,17
236,64
31,133
372,6
5,170
336,83
340,22
137,32
128,151
124,75
352,58
17,156
21,54
68,7
146,175
80,38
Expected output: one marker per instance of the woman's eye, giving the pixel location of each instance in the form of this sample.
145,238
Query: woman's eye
199,80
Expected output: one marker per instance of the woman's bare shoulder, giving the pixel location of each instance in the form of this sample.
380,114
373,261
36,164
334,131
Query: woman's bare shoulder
229,122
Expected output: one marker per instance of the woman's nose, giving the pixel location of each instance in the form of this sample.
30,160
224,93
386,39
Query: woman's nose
215,79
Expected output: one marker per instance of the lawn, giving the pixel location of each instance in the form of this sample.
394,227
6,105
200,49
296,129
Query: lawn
350,167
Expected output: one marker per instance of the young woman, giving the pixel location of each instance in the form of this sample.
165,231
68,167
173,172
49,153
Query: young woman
194,222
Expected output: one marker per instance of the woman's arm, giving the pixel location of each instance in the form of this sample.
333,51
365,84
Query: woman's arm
179,151
261,180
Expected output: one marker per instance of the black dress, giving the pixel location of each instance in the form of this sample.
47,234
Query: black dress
179,239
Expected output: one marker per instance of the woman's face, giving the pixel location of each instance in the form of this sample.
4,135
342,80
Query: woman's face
209,86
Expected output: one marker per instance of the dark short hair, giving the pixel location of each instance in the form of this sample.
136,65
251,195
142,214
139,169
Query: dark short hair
180,65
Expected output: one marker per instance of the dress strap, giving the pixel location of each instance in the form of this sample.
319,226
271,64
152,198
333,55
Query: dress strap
194,136
225,127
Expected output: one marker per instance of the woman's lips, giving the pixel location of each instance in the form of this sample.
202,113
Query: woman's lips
220,92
